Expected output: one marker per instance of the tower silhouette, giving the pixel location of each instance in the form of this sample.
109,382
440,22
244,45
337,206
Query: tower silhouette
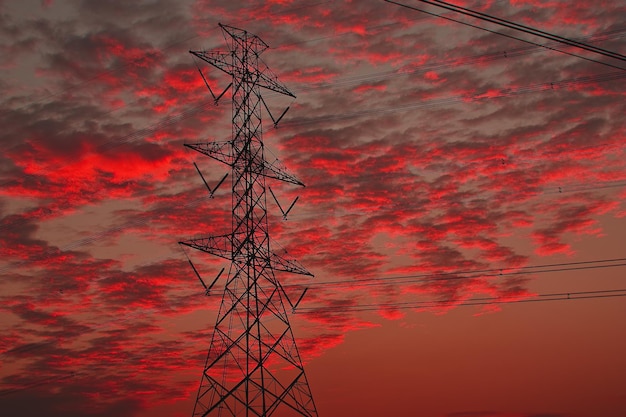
253,366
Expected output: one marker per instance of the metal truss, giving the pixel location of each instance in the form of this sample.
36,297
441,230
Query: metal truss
253,367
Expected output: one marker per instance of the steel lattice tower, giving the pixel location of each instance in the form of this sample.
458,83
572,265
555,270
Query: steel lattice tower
253,367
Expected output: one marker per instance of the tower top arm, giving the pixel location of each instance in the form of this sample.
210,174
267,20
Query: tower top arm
263,77
241,44
243,38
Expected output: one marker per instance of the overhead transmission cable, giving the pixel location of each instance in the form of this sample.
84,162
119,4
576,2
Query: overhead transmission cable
481,301
505,92
473,274
525,29
40,382
520,28
449,63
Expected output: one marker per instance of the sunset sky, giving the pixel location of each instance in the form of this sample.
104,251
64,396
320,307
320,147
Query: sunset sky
458,182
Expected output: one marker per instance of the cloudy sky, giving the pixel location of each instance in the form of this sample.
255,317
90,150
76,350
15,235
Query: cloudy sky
458,181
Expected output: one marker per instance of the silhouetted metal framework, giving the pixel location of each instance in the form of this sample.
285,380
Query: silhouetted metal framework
253,367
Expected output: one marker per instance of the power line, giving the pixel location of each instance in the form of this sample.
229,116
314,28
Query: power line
541,191
506,35
453,62
502,93
40,382
473,274
561,296
525,29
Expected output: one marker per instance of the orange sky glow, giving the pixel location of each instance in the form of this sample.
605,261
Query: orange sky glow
464,212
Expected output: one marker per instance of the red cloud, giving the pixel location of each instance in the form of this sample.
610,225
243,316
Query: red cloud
433,161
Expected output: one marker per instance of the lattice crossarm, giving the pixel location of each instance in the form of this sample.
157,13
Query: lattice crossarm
277,171
218,150
279,263
215,245
267,79
219,59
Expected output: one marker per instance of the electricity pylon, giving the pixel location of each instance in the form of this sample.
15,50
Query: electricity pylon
253,367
